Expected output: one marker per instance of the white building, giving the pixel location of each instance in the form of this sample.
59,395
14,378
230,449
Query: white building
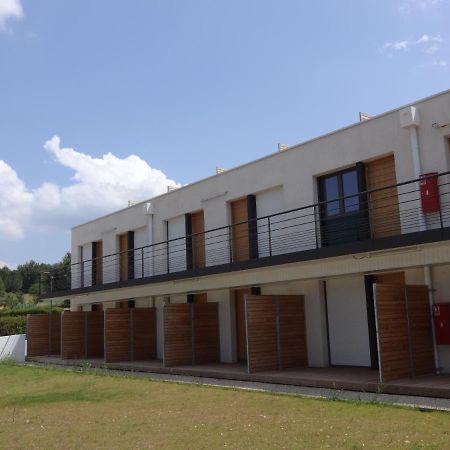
323,220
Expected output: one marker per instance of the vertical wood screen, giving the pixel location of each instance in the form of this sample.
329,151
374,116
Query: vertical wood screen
130,334
384,208
177,334
206,333
241,332
55,334
117,335
276,332
144,333
240,237
292,331
191,334
72,335
43,334
198,241
94,333
37,335
261,319
420,329
405,344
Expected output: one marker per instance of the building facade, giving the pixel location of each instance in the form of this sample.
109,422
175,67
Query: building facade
338,224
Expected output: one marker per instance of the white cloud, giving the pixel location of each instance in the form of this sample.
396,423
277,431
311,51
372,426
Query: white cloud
9,9
440,62
98,186
407,44
4,264
407,6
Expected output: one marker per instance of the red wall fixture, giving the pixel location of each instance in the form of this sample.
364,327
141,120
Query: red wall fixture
429,192
441,315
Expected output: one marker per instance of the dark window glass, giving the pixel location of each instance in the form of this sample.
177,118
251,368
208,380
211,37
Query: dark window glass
332,192
350,187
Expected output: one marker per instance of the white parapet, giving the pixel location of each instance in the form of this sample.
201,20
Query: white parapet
12,347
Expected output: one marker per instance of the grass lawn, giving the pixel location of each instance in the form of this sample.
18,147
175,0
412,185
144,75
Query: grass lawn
56,409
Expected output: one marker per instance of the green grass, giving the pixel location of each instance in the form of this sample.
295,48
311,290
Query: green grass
58,409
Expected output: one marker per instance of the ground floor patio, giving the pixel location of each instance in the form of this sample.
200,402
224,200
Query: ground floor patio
340,378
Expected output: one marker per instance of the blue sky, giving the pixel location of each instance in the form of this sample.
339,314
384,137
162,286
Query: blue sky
185,87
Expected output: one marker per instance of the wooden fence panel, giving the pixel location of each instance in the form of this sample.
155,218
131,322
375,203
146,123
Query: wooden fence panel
37,335
420,328
117,335
292,329
144,333
262,352
72,335
94,345
177,334
392,326
206,333
55,334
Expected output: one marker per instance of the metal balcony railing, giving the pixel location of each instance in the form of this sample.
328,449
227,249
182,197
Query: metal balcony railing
380,213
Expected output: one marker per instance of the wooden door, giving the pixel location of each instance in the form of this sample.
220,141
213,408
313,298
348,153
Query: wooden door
198,240
123,249
383,205
241,333
240,237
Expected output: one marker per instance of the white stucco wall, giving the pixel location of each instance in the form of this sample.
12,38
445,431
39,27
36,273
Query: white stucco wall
347,321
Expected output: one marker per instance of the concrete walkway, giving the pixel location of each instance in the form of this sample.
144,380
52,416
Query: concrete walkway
425,403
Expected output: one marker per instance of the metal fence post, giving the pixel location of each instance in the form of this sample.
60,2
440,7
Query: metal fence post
230,242
142,261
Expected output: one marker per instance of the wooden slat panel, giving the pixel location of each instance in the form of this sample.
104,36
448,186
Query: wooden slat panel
262,350
198,242
177,334
420,327
95,334
55,335
385,213
144,333
239,213
392,332
390,278
293,352
240,324
72,339
117,335
206,333
37,335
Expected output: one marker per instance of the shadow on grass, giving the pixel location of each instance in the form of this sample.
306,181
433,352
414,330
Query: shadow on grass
69,395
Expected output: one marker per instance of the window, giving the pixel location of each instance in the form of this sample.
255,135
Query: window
336,186
343,218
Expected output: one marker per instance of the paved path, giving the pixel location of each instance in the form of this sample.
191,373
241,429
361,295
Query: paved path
426,403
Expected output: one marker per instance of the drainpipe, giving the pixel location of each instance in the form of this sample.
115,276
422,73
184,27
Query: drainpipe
409,119
149,211
429,283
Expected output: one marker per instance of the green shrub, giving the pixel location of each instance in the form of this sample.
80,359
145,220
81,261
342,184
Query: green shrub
14,312
12,325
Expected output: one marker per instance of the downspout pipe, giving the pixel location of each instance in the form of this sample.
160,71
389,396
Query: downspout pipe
409,119
429,282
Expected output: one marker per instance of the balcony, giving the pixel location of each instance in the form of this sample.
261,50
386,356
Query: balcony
390,217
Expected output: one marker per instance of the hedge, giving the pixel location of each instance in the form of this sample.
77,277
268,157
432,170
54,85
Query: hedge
15,312
13,325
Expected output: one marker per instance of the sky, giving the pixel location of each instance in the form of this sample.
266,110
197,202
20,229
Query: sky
107,101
